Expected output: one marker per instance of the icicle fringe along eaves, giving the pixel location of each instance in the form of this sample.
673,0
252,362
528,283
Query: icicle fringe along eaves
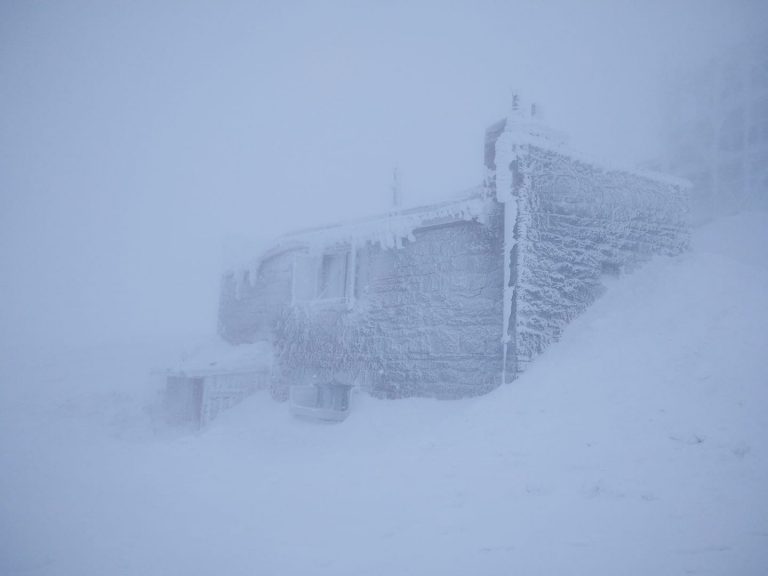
388,230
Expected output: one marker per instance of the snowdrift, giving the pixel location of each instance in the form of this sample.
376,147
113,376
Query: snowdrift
635,445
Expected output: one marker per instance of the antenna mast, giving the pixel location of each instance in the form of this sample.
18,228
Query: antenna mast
396,191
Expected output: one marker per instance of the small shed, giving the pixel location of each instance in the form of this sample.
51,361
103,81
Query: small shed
213,378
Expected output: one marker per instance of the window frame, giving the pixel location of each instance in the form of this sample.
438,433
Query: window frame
316,262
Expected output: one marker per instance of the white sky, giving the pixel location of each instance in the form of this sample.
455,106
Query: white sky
137,137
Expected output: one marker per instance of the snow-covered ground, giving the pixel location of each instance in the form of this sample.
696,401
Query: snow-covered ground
636,445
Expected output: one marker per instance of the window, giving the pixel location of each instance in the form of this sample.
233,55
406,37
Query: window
326,278
333,276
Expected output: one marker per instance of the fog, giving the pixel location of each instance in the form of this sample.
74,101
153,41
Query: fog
139,140
145,146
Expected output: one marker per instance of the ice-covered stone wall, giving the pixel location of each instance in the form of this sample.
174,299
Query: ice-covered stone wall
426,318
569,223
252,300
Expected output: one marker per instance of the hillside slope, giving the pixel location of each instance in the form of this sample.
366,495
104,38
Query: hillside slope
636,445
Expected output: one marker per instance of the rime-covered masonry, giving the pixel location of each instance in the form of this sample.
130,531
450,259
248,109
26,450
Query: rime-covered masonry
453,299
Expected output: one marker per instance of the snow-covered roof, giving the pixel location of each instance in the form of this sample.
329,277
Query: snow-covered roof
388,229
219,357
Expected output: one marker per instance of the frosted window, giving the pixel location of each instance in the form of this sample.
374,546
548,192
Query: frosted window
333,276
317,278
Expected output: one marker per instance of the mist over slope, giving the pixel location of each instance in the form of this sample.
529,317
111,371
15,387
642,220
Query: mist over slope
636,445
136,139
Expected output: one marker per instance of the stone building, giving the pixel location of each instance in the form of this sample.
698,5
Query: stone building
452,299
